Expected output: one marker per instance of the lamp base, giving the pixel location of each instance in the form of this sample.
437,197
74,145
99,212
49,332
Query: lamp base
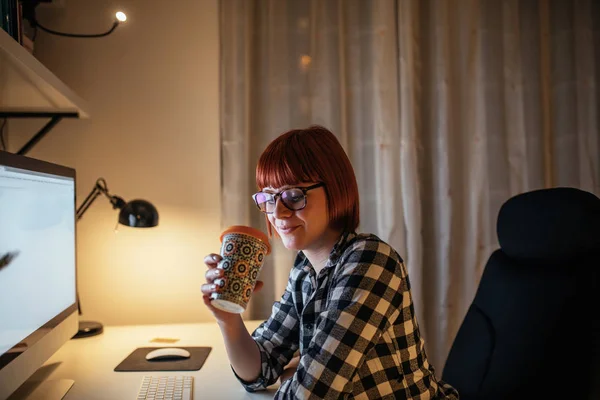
88,328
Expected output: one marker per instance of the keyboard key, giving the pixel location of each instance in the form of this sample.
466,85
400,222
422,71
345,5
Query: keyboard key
166,388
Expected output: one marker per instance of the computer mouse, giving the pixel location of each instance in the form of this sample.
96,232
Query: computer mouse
167,353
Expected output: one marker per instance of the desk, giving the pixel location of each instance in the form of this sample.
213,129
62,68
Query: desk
90,362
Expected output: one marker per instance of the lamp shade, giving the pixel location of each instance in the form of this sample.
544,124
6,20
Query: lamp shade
138,214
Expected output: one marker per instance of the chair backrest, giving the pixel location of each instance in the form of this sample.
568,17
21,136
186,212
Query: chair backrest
532,329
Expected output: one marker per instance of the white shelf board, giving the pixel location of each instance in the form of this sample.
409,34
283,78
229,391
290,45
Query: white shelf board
26,85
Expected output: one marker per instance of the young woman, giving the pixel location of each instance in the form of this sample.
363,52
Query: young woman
347,308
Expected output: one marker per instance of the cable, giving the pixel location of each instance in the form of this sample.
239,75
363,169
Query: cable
77,35
29,14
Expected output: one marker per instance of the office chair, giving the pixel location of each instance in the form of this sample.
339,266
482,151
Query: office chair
532,331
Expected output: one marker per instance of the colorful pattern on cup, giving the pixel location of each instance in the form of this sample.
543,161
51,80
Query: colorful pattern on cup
243,256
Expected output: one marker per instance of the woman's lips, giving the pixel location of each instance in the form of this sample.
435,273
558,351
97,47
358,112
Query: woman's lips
287,230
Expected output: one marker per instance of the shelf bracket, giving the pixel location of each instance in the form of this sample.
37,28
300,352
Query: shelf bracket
55,118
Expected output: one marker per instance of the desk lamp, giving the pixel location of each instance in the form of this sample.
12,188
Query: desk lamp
136,214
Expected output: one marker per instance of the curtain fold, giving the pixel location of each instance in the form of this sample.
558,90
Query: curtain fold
446,109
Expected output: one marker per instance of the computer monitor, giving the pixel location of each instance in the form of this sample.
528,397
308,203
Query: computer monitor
38,306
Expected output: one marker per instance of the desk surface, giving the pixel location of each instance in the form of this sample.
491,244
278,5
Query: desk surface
90,362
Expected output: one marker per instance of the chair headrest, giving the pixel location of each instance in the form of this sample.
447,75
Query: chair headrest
550,225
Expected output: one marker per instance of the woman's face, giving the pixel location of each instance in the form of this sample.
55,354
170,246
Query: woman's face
306,229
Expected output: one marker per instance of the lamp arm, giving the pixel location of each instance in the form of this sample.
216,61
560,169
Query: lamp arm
99,188
87,203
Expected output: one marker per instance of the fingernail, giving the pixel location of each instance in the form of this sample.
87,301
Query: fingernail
215,257
213,287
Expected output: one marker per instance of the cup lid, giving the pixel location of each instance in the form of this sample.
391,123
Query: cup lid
247,230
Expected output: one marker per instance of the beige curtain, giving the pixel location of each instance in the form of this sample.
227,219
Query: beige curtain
446,108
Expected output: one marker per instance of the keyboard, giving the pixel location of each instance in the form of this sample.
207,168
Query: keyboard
173,387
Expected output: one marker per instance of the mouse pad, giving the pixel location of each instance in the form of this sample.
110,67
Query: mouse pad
136,361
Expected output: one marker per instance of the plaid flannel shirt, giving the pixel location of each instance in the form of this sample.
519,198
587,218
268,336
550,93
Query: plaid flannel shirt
354,326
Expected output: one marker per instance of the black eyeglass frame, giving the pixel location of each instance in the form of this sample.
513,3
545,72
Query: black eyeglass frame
275,195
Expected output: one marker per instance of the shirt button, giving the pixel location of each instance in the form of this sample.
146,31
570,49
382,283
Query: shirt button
308,326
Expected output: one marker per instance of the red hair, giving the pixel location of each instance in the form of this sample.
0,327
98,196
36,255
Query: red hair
313,155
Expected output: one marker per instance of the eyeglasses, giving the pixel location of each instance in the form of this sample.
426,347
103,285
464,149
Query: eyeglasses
293,199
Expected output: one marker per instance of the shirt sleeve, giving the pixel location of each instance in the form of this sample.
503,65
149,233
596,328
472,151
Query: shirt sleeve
365,295
277,340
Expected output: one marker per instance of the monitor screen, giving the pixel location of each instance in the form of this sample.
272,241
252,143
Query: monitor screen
37,264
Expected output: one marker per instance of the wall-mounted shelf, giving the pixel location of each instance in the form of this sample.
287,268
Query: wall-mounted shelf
30,90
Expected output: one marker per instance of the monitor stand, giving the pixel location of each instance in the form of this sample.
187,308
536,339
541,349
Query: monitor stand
88,328
52,389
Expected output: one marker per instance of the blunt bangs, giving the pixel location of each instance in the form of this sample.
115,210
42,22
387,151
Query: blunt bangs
313,155
281,164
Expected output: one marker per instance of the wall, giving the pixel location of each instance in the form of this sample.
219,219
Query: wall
152,88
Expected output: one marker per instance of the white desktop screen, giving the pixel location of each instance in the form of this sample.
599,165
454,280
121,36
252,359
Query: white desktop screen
37,256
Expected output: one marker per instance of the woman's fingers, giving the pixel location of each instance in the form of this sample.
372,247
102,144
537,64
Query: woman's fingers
214,276
294,362
287,373
206,300
208,288
213,273
212,260
213,286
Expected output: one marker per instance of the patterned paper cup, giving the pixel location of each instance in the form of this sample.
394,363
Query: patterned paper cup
243,250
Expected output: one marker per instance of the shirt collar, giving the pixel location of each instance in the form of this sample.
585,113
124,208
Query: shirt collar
338,249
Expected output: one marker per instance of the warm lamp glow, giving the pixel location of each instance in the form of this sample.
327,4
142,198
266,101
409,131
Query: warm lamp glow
305,62
121,17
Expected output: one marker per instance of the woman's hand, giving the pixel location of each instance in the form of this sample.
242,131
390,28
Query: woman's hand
290,369
211,261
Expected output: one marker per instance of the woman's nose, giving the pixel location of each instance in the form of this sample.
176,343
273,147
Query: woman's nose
281,211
